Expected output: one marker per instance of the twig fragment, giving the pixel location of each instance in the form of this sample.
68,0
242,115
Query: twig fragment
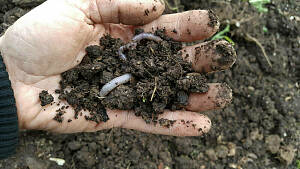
155,87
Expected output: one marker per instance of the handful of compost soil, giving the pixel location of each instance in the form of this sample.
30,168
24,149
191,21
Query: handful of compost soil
159,78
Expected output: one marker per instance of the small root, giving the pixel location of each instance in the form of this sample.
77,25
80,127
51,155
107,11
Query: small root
128,165
155,87
152,50
169,6
252,39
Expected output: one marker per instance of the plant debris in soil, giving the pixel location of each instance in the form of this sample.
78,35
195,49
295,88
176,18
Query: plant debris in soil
161,79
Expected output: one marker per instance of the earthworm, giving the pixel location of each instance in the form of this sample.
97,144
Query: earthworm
131,45
108,87
148,36
135,39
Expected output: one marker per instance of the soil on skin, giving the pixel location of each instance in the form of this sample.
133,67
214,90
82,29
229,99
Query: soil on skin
259,130
161,79
45,98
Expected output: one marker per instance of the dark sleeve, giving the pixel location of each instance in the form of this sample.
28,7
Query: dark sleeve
9,130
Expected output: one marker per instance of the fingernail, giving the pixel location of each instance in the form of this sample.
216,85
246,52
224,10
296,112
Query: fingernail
224,95
213,20
205,126
216,55
225,55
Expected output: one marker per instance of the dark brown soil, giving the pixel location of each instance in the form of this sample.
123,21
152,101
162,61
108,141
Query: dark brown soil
259,130
161,79
45,98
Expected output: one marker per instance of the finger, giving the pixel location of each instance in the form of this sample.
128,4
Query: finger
210,56
187,26
186,124
176,123
128,12
217,97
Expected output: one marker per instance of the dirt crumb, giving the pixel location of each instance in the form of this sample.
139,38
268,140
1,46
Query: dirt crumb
166,123
59,116
154,8
287,154
147,12
224,95
273,143
227,53
213,19
45,98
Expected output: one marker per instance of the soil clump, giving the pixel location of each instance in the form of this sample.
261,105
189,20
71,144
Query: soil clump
161,79
45,98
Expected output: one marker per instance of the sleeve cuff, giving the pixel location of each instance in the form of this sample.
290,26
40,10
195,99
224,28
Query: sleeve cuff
9,130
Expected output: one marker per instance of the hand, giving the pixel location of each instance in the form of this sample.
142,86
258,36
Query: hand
52,38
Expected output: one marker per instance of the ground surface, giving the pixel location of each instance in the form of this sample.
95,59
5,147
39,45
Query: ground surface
261,129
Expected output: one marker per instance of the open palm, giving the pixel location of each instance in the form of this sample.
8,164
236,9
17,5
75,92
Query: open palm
52,38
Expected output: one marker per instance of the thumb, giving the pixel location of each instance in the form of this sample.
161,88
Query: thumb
128,12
